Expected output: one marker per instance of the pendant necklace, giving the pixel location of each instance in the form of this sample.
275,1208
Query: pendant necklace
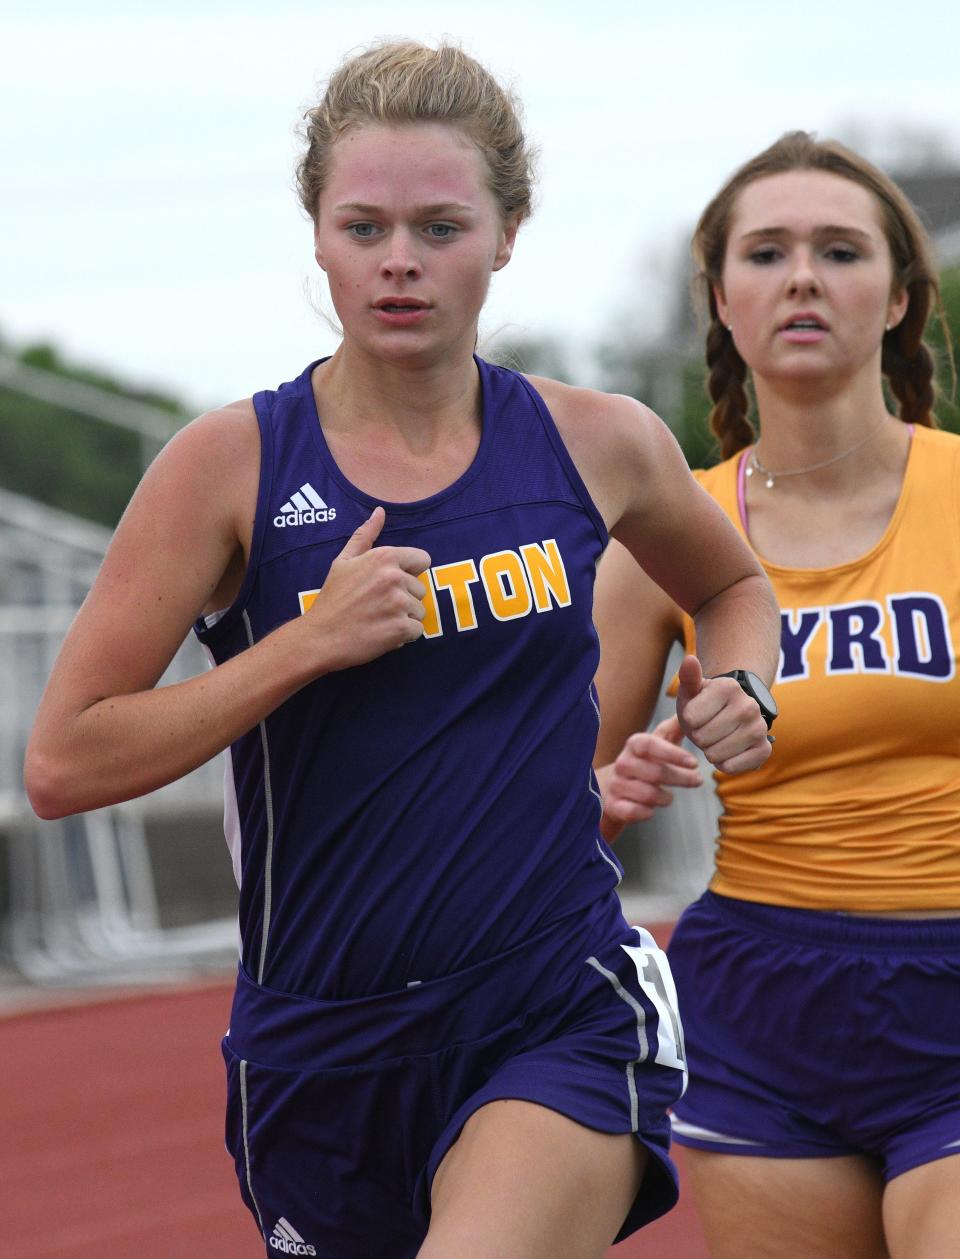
770,477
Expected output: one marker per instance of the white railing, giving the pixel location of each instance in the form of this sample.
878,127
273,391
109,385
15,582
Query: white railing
82,891
80,899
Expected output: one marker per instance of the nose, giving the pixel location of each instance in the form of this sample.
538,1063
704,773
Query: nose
803,277
400,259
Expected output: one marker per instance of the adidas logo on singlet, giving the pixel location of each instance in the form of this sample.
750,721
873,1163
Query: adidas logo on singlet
288,1241
305,507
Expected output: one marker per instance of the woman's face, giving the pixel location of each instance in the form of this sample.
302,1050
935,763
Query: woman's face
409,235
808,278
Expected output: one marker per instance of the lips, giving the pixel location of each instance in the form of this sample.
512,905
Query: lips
400,305
805,321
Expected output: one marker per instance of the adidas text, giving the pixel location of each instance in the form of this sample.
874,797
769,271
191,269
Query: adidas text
312,515
291,1248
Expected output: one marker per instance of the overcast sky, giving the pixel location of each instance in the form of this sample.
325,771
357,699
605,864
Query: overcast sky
147,219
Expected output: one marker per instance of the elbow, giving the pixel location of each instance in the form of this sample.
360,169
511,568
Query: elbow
51,792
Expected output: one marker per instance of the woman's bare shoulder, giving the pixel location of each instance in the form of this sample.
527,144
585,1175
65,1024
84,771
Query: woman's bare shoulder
216,453
622,449
575,409
231,427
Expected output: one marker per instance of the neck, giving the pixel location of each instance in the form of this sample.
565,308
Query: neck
802,426
815,443
356,390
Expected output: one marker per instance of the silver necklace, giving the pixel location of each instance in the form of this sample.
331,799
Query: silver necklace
756,466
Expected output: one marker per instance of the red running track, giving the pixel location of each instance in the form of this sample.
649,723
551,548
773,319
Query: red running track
112,1115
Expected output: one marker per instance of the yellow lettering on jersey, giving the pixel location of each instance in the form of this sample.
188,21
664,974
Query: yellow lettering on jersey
506,585
307,599
548,577
431,622
458,578
514,584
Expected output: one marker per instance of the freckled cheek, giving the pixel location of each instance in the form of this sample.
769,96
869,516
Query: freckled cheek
344,287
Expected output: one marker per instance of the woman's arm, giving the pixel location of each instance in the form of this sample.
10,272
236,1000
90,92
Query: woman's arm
104,731
684,542
638,625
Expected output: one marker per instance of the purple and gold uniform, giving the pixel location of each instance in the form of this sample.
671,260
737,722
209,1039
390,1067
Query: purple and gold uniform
814,1028
428,915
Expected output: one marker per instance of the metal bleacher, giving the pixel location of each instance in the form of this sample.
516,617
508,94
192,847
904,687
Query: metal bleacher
122,893
137,891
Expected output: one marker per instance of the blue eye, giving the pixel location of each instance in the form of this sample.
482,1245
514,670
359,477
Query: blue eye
441,231
362,231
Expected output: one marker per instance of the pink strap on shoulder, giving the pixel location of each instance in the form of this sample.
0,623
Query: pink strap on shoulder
742,490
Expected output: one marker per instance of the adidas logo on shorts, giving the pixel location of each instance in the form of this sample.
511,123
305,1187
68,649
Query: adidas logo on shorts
288,1241
304,507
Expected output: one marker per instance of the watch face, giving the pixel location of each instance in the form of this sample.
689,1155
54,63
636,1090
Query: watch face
761,693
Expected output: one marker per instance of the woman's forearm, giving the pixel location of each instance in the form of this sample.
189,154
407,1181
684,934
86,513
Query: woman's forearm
124,746
739,628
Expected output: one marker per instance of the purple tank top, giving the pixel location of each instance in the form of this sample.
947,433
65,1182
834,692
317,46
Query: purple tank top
409,817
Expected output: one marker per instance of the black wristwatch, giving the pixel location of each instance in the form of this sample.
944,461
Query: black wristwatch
757,689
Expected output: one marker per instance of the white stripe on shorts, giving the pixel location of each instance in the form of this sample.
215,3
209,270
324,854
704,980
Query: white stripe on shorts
641,1038
691,1130
244,1108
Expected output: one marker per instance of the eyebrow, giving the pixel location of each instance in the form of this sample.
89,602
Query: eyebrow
827,229
424,211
